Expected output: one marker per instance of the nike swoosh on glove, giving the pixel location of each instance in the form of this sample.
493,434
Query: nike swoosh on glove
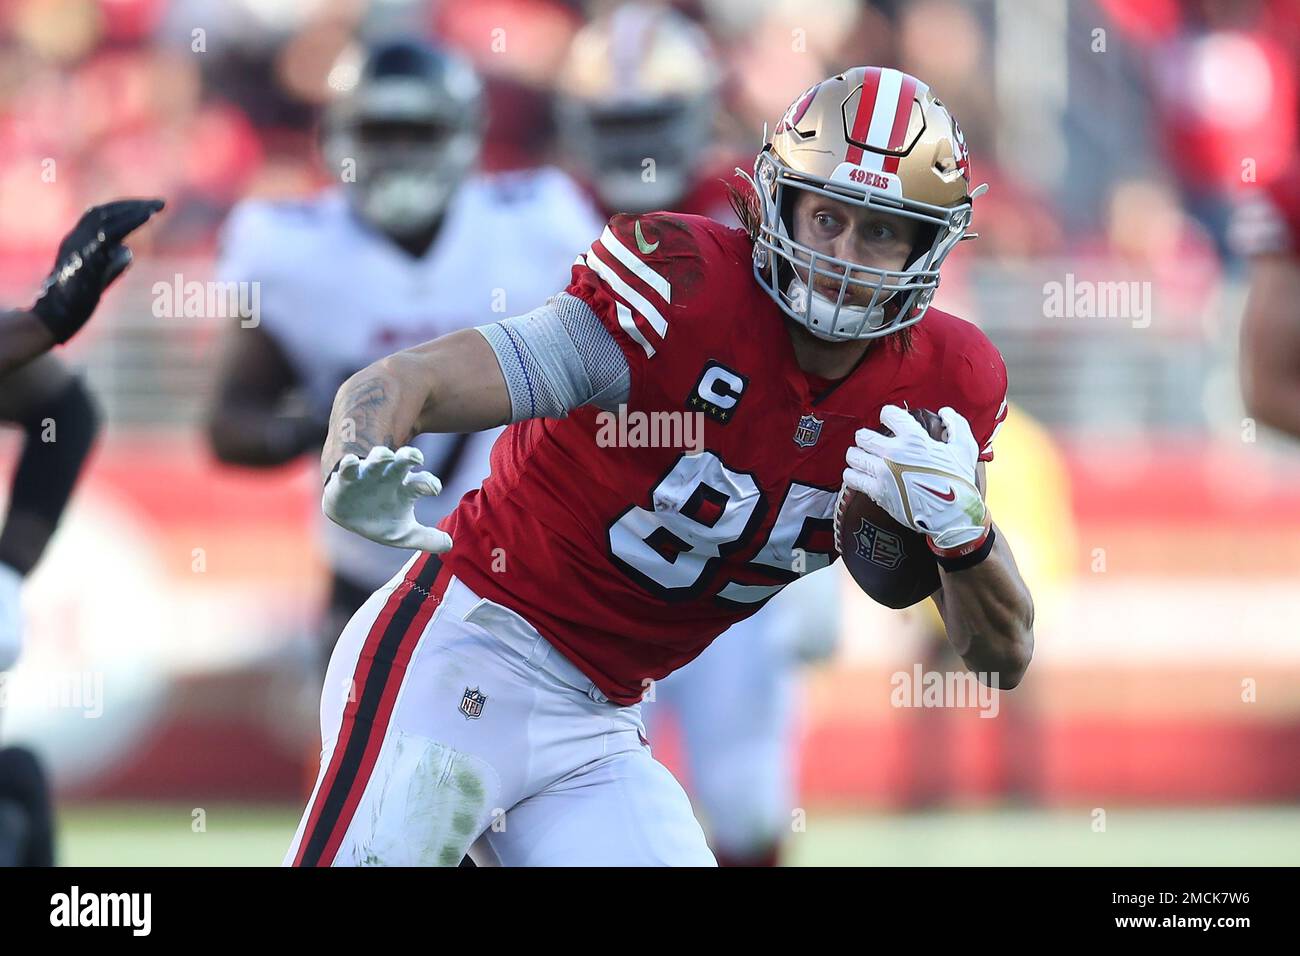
923,484
375,497
90,257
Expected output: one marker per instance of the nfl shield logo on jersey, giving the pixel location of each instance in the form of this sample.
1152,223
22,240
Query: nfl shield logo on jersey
471,705
808,431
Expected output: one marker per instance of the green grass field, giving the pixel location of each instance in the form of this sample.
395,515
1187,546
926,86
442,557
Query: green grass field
238,835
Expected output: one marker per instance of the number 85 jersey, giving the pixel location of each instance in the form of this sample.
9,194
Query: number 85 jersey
632,538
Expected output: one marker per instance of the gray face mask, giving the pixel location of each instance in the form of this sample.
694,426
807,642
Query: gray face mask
407,146
823,318
403,189
637,193
639,157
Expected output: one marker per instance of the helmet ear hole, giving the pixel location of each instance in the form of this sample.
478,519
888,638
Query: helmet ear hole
925,238
787,211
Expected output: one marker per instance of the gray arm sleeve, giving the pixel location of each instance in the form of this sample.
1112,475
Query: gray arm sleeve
557,358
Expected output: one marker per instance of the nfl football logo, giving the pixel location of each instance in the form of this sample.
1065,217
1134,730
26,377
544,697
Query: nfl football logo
808,431
878,546
471,705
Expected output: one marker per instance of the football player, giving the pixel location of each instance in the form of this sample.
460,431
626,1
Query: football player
495,681
637,111
60,421
412,244
1268,230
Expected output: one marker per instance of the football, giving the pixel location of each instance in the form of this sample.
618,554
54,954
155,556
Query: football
892,564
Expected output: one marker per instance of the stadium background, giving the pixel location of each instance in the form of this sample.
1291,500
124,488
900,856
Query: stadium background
170,624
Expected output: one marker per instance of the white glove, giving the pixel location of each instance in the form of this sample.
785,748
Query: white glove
11,616
923,484
375,498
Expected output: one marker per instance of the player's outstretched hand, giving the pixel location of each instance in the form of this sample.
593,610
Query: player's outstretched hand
90,257
375,497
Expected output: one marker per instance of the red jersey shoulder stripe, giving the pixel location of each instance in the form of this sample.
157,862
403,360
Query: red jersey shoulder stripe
625,274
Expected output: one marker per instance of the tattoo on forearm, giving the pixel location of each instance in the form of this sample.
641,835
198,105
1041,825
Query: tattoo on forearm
365,420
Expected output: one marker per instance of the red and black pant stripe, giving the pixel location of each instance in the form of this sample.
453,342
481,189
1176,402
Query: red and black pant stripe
380,670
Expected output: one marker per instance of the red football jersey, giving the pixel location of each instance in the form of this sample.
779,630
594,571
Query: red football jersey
631,552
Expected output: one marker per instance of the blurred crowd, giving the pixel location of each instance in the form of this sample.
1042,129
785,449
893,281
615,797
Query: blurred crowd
1160,113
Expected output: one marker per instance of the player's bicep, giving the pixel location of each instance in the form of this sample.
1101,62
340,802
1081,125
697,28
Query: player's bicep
557,358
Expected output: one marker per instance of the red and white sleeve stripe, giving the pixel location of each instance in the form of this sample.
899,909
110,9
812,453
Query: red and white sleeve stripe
641,295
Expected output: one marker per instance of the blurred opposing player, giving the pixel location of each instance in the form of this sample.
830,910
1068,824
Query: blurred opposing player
59,421
1268,231
497,682
637,111
419,245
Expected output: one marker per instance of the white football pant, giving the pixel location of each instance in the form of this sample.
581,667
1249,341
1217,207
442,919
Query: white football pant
448,723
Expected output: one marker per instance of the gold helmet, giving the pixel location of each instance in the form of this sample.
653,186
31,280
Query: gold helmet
636,104
871,137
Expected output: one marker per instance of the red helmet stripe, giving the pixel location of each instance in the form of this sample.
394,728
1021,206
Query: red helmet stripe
862,119
902,117
797,111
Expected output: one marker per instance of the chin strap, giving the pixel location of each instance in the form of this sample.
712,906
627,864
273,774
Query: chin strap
797,289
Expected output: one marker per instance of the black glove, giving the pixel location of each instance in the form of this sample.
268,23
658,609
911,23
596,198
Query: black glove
90,257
